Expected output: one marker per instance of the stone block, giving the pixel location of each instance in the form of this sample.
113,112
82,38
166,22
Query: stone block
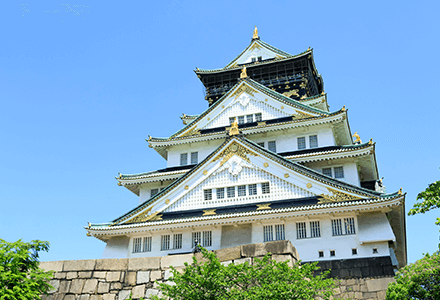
83,297
103,287
151,292
231,253
90,286
252,250
155,275
124,294
55,285
358,295
69,297
143,277
64,286
58,296
144,263
243,260
168,274
95,297
281,247
350,282
56,266
77,286
60,275
226,263
283,258
108,297
85,274
71,275
113,264
138,291
113,276
115,286
379,284
79,265
381,295
99,274
175,260
130,278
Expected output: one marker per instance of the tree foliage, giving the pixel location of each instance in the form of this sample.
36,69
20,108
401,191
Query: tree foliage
420,280
431,200
265,279
20,275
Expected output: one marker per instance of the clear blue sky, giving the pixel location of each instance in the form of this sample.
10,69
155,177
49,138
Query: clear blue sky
82,85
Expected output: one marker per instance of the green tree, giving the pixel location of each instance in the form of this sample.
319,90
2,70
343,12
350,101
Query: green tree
431,200
20,275
420,280
265,279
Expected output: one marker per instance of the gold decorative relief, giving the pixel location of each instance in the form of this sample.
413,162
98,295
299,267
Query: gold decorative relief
265,165
263,206
205,172
286,175
142,217
291,93
282,107
265,99
261,123
255,34
243,73
304,83
243,89
233,130
192,131
287,87
309,185
209,212
234,149
186,187
156,218
336,196
301,115
167,201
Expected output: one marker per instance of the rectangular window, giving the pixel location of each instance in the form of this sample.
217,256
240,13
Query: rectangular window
252,189
265,188
279,232
321,253
332,253
147,244
194,158
165,242
315,229
272,146
258,117
241,191
241,120
177,241
336,227
301,143
268,233
249,118
153,192
137,245
207,239
253,59
339,172
261,144
327,171
260,58
231,120
207,194
301,232
221,193
183,159
231,191
349,226
354,251
313,141
196,238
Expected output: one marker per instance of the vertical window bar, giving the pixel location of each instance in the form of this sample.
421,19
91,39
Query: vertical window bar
147,244
183,159
339,172
137,243
207,238
313,141
301,232
177,241
279,232
196,236
207,194
249,118
231,191
301,143
165,242
272,146
327,171
194,158
241,191
315,229
268,233
336,227
349,226
265,188
220,193
241,120
252,189
258,117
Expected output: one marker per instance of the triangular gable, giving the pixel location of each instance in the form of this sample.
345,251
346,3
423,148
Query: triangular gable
245,98
256,49
240,157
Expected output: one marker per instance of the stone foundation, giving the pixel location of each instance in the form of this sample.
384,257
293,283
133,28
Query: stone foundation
116,279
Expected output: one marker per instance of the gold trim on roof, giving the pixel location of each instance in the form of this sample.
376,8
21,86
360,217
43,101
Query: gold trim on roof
234,149
243,73
233,130
209,212
243,89
358,138
255,33
264,206
301,115
337,196
142,217
192,131
293,92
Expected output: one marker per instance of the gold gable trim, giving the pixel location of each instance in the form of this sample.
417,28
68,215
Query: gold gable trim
337,196
244,89
142,217
234,149
264,206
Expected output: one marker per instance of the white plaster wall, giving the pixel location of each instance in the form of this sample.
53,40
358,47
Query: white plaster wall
263,52
351,174
116,247
203,148
145,189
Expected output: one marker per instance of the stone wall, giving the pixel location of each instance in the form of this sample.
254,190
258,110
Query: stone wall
116,279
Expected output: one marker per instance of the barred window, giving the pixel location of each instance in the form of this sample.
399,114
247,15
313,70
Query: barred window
327,171
339,172
313,141
252,189
231,120
301,232
147,244
349,226
165,242
207,239
315,229
153,192
332,253
301,143
177,241
194,158
183,159
207,194
258,117
268,233
249,118
279,232
241,190
220,193
321,253
265,188
336,227
196,237
272,146
260,58
231,191
241,120
253,59
137,245
261,144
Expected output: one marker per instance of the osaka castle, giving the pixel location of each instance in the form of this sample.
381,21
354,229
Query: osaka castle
264,160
